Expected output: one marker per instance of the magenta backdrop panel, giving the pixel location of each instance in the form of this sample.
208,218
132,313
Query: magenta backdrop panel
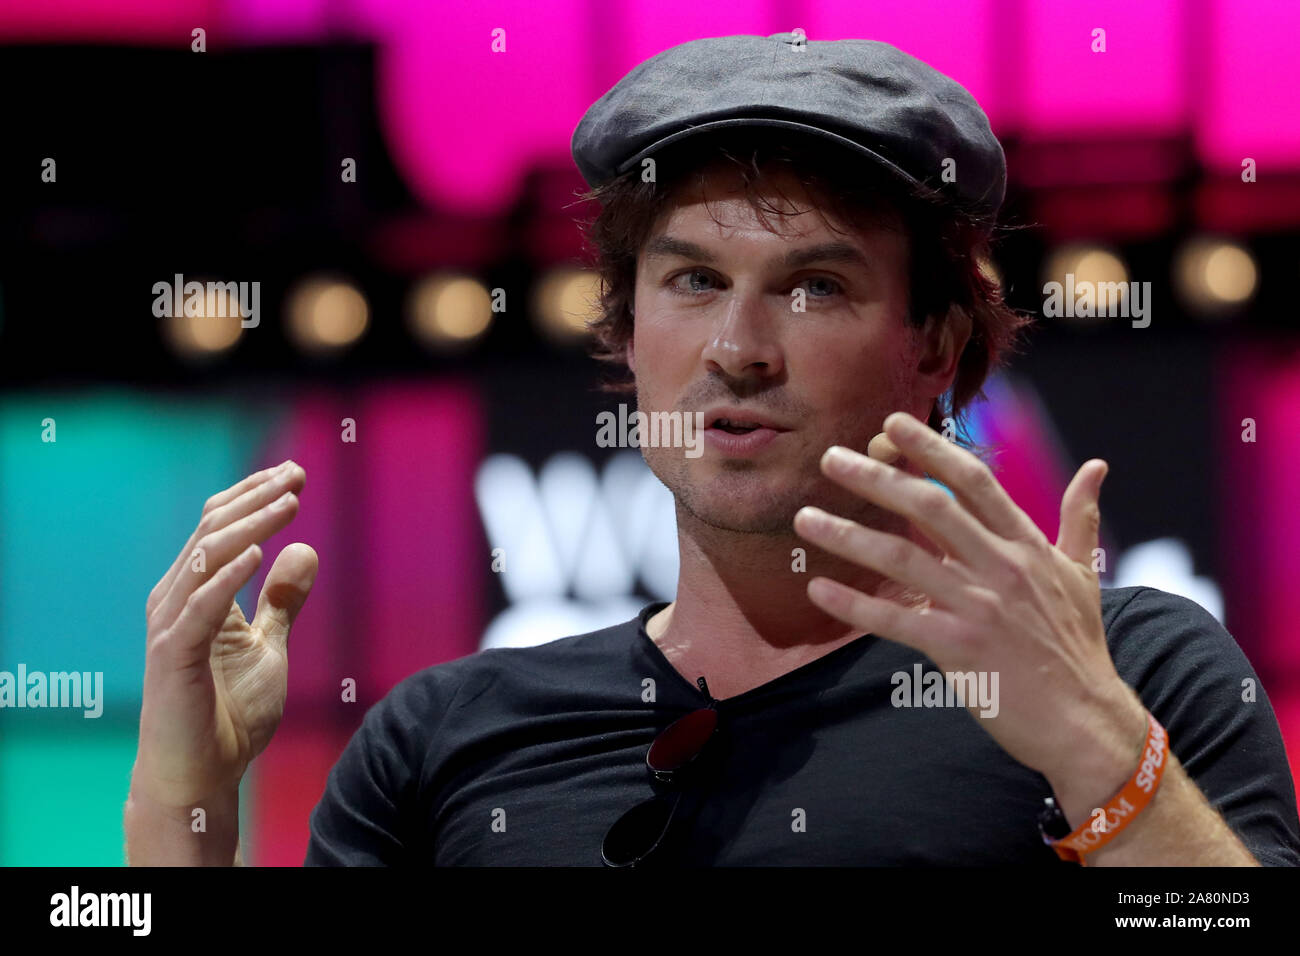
422,548
1259,519
1251,107
1138,84
464,123
392,519
310,436
285,21
1259,504
107,21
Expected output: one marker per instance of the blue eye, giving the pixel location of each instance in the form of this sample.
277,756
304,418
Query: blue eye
672,283
693,289
824,279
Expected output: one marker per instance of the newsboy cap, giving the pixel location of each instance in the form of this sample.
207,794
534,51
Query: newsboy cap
889,107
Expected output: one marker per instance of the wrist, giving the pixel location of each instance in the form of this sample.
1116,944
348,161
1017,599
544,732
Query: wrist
202,834
1106,755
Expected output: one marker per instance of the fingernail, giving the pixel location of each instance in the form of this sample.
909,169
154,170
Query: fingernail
814,519
841,459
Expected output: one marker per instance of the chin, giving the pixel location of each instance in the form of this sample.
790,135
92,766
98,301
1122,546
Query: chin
745,502
741,520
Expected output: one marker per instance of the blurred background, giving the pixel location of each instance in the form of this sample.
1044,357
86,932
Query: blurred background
389,171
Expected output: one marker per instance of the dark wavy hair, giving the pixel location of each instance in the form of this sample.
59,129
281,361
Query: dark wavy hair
948,246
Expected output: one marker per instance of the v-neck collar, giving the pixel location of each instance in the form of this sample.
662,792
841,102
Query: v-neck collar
657,653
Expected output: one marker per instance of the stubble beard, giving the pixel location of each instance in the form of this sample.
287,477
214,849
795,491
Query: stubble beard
739,497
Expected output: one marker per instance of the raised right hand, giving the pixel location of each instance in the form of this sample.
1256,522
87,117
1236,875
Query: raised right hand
215,684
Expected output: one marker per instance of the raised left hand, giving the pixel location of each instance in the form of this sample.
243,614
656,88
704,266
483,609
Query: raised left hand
1002,598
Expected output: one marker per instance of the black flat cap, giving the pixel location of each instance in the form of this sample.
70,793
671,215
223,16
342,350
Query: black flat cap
870,97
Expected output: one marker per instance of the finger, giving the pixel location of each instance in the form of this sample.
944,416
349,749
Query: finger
923,630
972,481
221,509
284,592
220,547
894,557
1080,530
222,498
206,608
922,502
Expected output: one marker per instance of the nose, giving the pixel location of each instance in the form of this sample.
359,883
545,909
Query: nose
743,341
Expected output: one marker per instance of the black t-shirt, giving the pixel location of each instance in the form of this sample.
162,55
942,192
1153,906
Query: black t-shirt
527,756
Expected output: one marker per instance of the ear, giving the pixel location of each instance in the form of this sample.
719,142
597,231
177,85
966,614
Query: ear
943,340
630,354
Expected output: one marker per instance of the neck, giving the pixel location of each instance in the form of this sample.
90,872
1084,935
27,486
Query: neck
742,613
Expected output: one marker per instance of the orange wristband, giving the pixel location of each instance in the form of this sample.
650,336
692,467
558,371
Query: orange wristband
1122,808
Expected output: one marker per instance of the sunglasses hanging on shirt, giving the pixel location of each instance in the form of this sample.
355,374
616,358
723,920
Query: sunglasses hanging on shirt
672,760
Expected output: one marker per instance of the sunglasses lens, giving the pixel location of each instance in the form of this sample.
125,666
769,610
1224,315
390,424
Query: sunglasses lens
682,741
637,832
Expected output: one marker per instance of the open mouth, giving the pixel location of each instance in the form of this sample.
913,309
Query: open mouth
735,428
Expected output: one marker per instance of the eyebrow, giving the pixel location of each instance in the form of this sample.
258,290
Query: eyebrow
666,246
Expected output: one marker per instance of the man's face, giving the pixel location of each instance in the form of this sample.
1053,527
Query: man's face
716,332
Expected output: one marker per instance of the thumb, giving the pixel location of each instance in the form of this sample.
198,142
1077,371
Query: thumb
1081,513
285,591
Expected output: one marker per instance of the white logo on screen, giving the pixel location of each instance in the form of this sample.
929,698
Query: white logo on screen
1166,564
575,544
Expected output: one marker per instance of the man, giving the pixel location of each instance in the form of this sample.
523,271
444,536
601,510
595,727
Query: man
859,667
